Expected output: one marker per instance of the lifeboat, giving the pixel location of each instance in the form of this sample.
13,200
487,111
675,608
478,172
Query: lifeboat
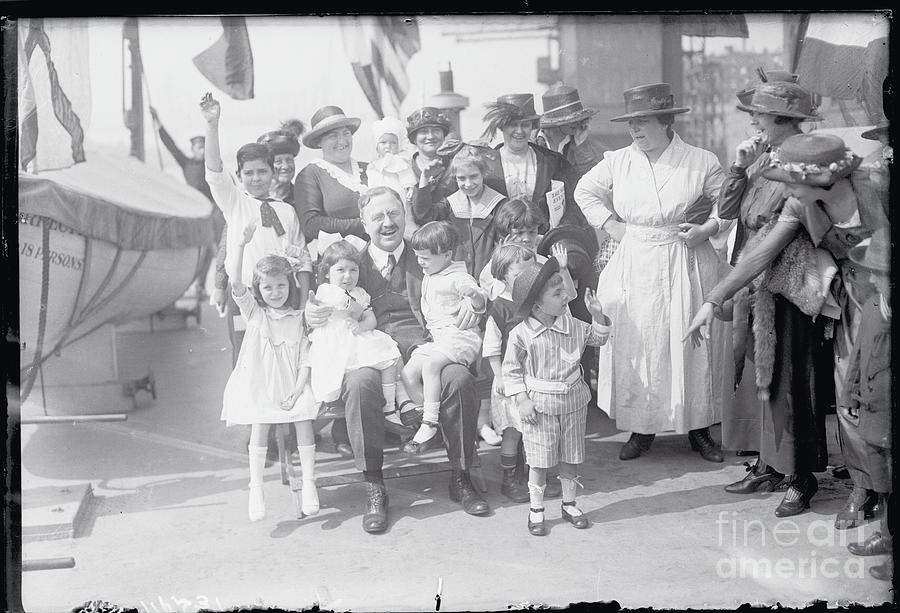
102,242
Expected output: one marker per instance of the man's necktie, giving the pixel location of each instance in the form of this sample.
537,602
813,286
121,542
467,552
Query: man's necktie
388,269
269,217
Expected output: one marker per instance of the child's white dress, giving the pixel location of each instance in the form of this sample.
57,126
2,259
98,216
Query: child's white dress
335,349
266,371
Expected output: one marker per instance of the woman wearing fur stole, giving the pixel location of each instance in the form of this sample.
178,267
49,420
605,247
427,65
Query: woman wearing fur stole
793,308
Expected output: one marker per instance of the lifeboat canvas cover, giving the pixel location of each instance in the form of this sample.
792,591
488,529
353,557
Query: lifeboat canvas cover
104,241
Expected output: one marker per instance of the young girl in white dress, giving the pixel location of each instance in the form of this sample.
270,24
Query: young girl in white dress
269,383
349,339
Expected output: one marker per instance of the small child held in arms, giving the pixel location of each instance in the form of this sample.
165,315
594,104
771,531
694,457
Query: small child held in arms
349,339
542,371
391,170
445,286
269,383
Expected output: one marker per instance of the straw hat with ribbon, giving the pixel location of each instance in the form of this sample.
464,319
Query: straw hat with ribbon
782,98
562,105
650,100
766,76
326,119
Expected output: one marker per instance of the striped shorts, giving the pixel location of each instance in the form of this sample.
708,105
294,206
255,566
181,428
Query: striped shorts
555,438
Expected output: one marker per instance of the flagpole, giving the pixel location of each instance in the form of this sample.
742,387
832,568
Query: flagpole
155,126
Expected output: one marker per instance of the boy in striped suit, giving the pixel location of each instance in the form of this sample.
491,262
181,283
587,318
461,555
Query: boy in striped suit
542,370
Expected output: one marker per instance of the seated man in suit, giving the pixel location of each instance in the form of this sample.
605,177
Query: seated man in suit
392,277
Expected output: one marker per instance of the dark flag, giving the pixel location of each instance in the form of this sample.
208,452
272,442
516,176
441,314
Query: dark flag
228,63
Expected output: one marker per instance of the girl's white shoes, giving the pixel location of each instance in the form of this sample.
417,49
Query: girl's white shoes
310,497
256,508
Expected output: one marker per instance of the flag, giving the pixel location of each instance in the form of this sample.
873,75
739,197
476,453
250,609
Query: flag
845,56
54,92
228,63
379,49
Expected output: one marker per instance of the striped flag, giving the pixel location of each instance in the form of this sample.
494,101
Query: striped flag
379,48
54,92
845,56
228,62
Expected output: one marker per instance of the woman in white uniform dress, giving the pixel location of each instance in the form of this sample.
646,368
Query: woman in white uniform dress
665,191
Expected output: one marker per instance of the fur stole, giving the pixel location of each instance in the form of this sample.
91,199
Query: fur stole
795,274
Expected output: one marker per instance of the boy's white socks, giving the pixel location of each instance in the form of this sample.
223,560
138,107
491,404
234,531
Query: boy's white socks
536,494
568,495
390,396
256,507
309,495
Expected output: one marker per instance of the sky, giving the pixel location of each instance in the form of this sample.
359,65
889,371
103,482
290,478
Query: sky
299,66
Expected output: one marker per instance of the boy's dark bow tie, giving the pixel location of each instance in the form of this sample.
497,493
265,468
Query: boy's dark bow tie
269,217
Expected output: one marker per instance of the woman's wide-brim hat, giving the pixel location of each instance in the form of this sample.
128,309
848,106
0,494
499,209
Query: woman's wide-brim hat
650,100
874,253
577,242
811,159
426,117
528,285
745,96
562,105
878,132
326,119
782,98
280,142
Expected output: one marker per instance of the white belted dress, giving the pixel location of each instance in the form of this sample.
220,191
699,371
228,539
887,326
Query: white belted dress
650,381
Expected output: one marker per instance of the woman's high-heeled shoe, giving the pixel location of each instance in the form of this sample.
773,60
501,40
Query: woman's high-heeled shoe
759,477
796,499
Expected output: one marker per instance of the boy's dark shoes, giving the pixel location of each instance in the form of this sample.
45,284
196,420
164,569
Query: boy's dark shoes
376,516
537,528
511,487
461,491
579,521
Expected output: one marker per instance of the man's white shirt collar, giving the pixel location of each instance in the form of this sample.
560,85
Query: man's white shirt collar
380,257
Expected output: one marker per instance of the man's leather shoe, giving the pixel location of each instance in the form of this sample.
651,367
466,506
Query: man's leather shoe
512,488
375,519
745,452
461,491
636,445
537,528
882,571
701,441
757,478
858,509
579,521
876,545
796,500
